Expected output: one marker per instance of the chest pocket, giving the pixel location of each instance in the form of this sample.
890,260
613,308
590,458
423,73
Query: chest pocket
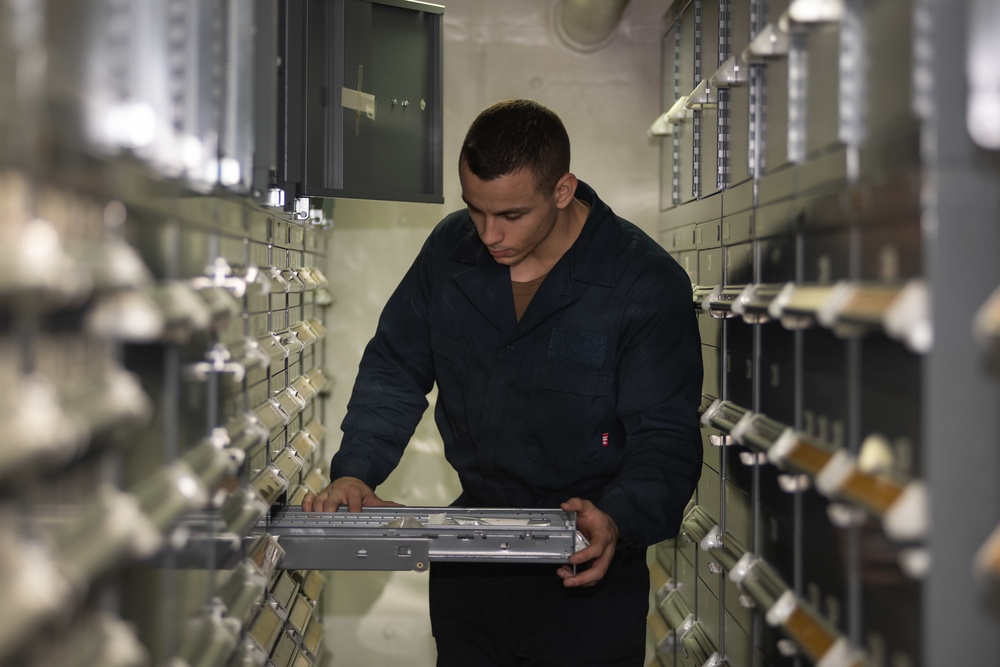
577,383
568,412
450,347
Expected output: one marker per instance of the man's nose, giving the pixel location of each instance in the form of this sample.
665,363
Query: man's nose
491,233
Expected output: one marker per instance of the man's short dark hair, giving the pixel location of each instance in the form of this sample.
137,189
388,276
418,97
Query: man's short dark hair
512,135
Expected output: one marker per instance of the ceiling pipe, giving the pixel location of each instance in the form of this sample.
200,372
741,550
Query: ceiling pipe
588,25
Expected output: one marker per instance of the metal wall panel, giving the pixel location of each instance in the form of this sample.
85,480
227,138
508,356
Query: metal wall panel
822,126
777,258
710,267
826,256
777,372
890,254
775,115
668,86
739,264
738,100
830,344
688,64
711,454
738,364
739,523
710,363
708,118
710,329
889,38
137,376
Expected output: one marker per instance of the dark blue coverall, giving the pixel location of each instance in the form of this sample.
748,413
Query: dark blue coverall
592,394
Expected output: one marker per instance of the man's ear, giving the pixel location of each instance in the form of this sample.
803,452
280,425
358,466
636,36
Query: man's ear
565,190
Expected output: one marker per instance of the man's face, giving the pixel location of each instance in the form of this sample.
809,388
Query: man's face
512,217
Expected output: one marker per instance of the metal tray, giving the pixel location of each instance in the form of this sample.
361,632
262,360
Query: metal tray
410,538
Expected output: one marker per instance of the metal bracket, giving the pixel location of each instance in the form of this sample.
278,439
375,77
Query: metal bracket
218,360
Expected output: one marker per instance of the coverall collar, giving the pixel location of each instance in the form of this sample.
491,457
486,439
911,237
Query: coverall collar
591,255
589,261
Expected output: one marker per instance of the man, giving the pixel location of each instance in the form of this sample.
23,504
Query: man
567,359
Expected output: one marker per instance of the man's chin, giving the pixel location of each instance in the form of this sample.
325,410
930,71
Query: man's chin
505,260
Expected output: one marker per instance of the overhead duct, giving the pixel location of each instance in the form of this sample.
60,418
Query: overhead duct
588,25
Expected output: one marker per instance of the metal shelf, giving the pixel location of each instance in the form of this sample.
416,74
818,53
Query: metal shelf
410,538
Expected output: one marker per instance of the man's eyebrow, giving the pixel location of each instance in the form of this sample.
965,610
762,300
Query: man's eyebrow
512,211
515,211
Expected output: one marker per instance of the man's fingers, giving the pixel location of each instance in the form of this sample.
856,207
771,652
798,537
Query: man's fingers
378,502
321,502
598,568
590,552
329,503
575,505
312,502
587,577
599,528
354,499
354,496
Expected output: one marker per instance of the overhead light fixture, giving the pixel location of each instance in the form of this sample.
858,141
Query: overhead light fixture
678,616
731,74
798,305
696,525
661,127
754,303
770,42
814,11
678,113
725,416
723,547
704,96
908,317
986,325
720,305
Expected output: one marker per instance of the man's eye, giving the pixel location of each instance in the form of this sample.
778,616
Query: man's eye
512,218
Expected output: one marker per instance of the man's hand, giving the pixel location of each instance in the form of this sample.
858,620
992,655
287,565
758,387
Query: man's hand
349,491
601,531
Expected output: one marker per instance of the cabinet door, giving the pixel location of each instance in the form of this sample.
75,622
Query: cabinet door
385,104
406,71
372,89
